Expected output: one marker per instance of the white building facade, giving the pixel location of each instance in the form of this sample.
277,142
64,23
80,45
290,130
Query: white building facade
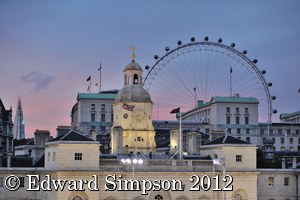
93,112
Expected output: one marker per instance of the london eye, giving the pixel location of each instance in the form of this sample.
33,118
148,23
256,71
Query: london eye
200,70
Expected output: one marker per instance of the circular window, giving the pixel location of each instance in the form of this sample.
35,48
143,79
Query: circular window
125,116
77,197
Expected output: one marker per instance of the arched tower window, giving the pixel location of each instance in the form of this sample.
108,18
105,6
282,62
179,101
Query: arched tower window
135,79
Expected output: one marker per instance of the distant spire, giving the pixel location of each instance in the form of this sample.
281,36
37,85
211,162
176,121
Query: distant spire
19,126
132,55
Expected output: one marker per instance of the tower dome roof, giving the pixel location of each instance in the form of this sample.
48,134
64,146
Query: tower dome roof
133,93
133,66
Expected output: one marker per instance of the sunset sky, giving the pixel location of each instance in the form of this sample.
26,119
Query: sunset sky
49,48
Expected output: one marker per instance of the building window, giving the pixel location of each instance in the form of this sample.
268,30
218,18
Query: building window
291,140
229,130
158,197
93,117
282,140
54,156
246,110
262,131
246,120
102,117
22,181
102,128
238,158
92,106
237,110
279,131
227,119
237,120
288,132
270,181
286,181
299,141
247,131
1,182
102,107
273,140
297,132
139,139
78,156
228,110
238,131
248,139
271,131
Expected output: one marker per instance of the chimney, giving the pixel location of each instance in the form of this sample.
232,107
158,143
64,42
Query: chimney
41,137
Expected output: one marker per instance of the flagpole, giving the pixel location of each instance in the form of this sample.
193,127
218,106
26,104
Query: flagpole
195,90
180,137
100,69
230,81
90,84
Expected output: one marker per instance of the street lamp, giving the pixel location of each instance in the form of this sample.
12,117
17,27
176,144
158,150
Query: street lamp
133,162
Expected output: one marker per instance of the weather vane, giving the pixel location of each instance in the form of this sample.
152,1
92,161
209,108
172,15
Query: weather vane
132,49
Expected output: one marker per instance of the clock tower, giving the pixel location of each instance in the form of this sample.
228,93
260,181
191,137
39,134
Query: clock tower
132,130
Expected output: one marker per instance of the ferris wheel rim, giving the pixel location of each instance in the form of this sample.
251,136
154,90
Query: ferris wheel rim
218,44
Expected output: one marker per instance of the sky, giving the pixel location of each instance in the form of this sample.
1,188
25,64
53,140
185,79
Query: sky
49,48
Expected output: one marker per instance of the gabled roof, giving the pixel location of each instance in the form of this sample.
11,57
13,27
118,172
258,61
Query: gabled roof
72,136
286,115
227,139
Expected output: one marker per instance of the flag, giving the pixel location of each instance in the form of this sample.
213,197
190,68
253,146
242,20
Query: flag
230,70
89,78
100,66
194,89
176,110
128,107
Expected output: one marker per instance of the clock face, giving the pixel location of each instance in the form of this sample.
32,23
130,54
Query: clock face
139,114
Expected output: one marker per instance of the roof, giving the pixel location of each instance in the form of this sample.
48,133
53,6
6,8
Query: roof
21,142
227,139
72,136
133,66
286,115
133,93
218,99
111,96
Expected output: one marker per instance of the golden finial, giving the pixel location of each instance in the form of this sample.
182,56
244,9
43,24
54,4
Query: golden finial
132,55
